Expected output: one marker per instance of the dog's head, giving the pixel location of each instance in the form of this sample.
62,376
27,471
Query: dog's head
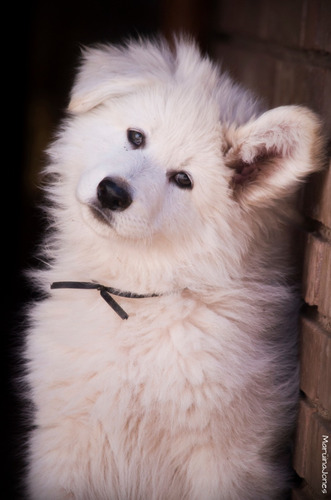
160,143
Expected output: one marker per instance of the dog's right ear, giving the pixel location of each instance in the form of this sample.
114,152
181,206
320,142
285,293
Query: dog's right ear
272,154
106,71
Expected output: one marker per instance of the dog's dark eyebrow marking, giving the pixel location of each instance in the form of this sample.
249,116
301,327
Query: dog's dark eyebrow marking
106,293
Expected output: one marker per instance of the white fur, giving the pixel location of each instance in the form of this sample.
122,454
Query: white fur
193,397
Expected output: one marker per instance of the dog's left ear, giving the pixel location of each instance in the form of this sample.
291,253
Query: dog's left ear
272,154
107,71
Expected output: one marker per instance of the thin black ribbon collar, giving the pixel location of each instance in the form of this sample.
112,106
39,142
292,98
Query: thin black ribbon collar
106,293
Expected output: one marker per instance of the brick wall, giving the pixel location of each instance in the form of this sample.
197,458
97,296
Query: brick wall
282,50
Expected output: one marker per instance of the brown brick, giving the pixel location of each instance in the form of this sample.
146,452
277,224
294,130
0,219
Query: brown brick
316,32
299,83
239,16
318,198
325,29
279,80
308,447
255,71
315,355
302,439
304,493
290,86
298,24
325,112
317,274
281,21
268,20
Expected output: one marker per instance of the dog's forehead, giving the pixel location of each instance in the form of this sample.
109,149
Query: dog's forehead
187,100
173,111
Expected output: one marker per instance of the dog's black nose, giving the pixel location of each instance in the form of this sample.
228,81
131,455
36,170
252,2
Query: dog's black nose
113,194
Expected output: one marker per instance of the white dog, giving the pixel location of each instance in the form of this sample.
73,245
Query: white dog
172,187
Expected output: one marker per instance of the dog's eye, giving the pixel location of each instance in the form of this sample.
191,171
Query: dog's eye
136,138
182,180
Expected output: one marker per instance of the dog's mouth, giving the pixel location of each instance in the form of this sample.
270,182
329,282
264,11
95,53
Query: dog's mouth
103,215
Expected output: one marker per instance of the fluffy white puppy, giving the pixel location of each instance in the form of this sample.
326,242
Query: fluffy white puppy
171,186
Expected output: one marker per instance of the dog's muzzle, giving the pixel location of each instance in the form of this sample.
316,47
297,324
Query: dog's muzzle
112,195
